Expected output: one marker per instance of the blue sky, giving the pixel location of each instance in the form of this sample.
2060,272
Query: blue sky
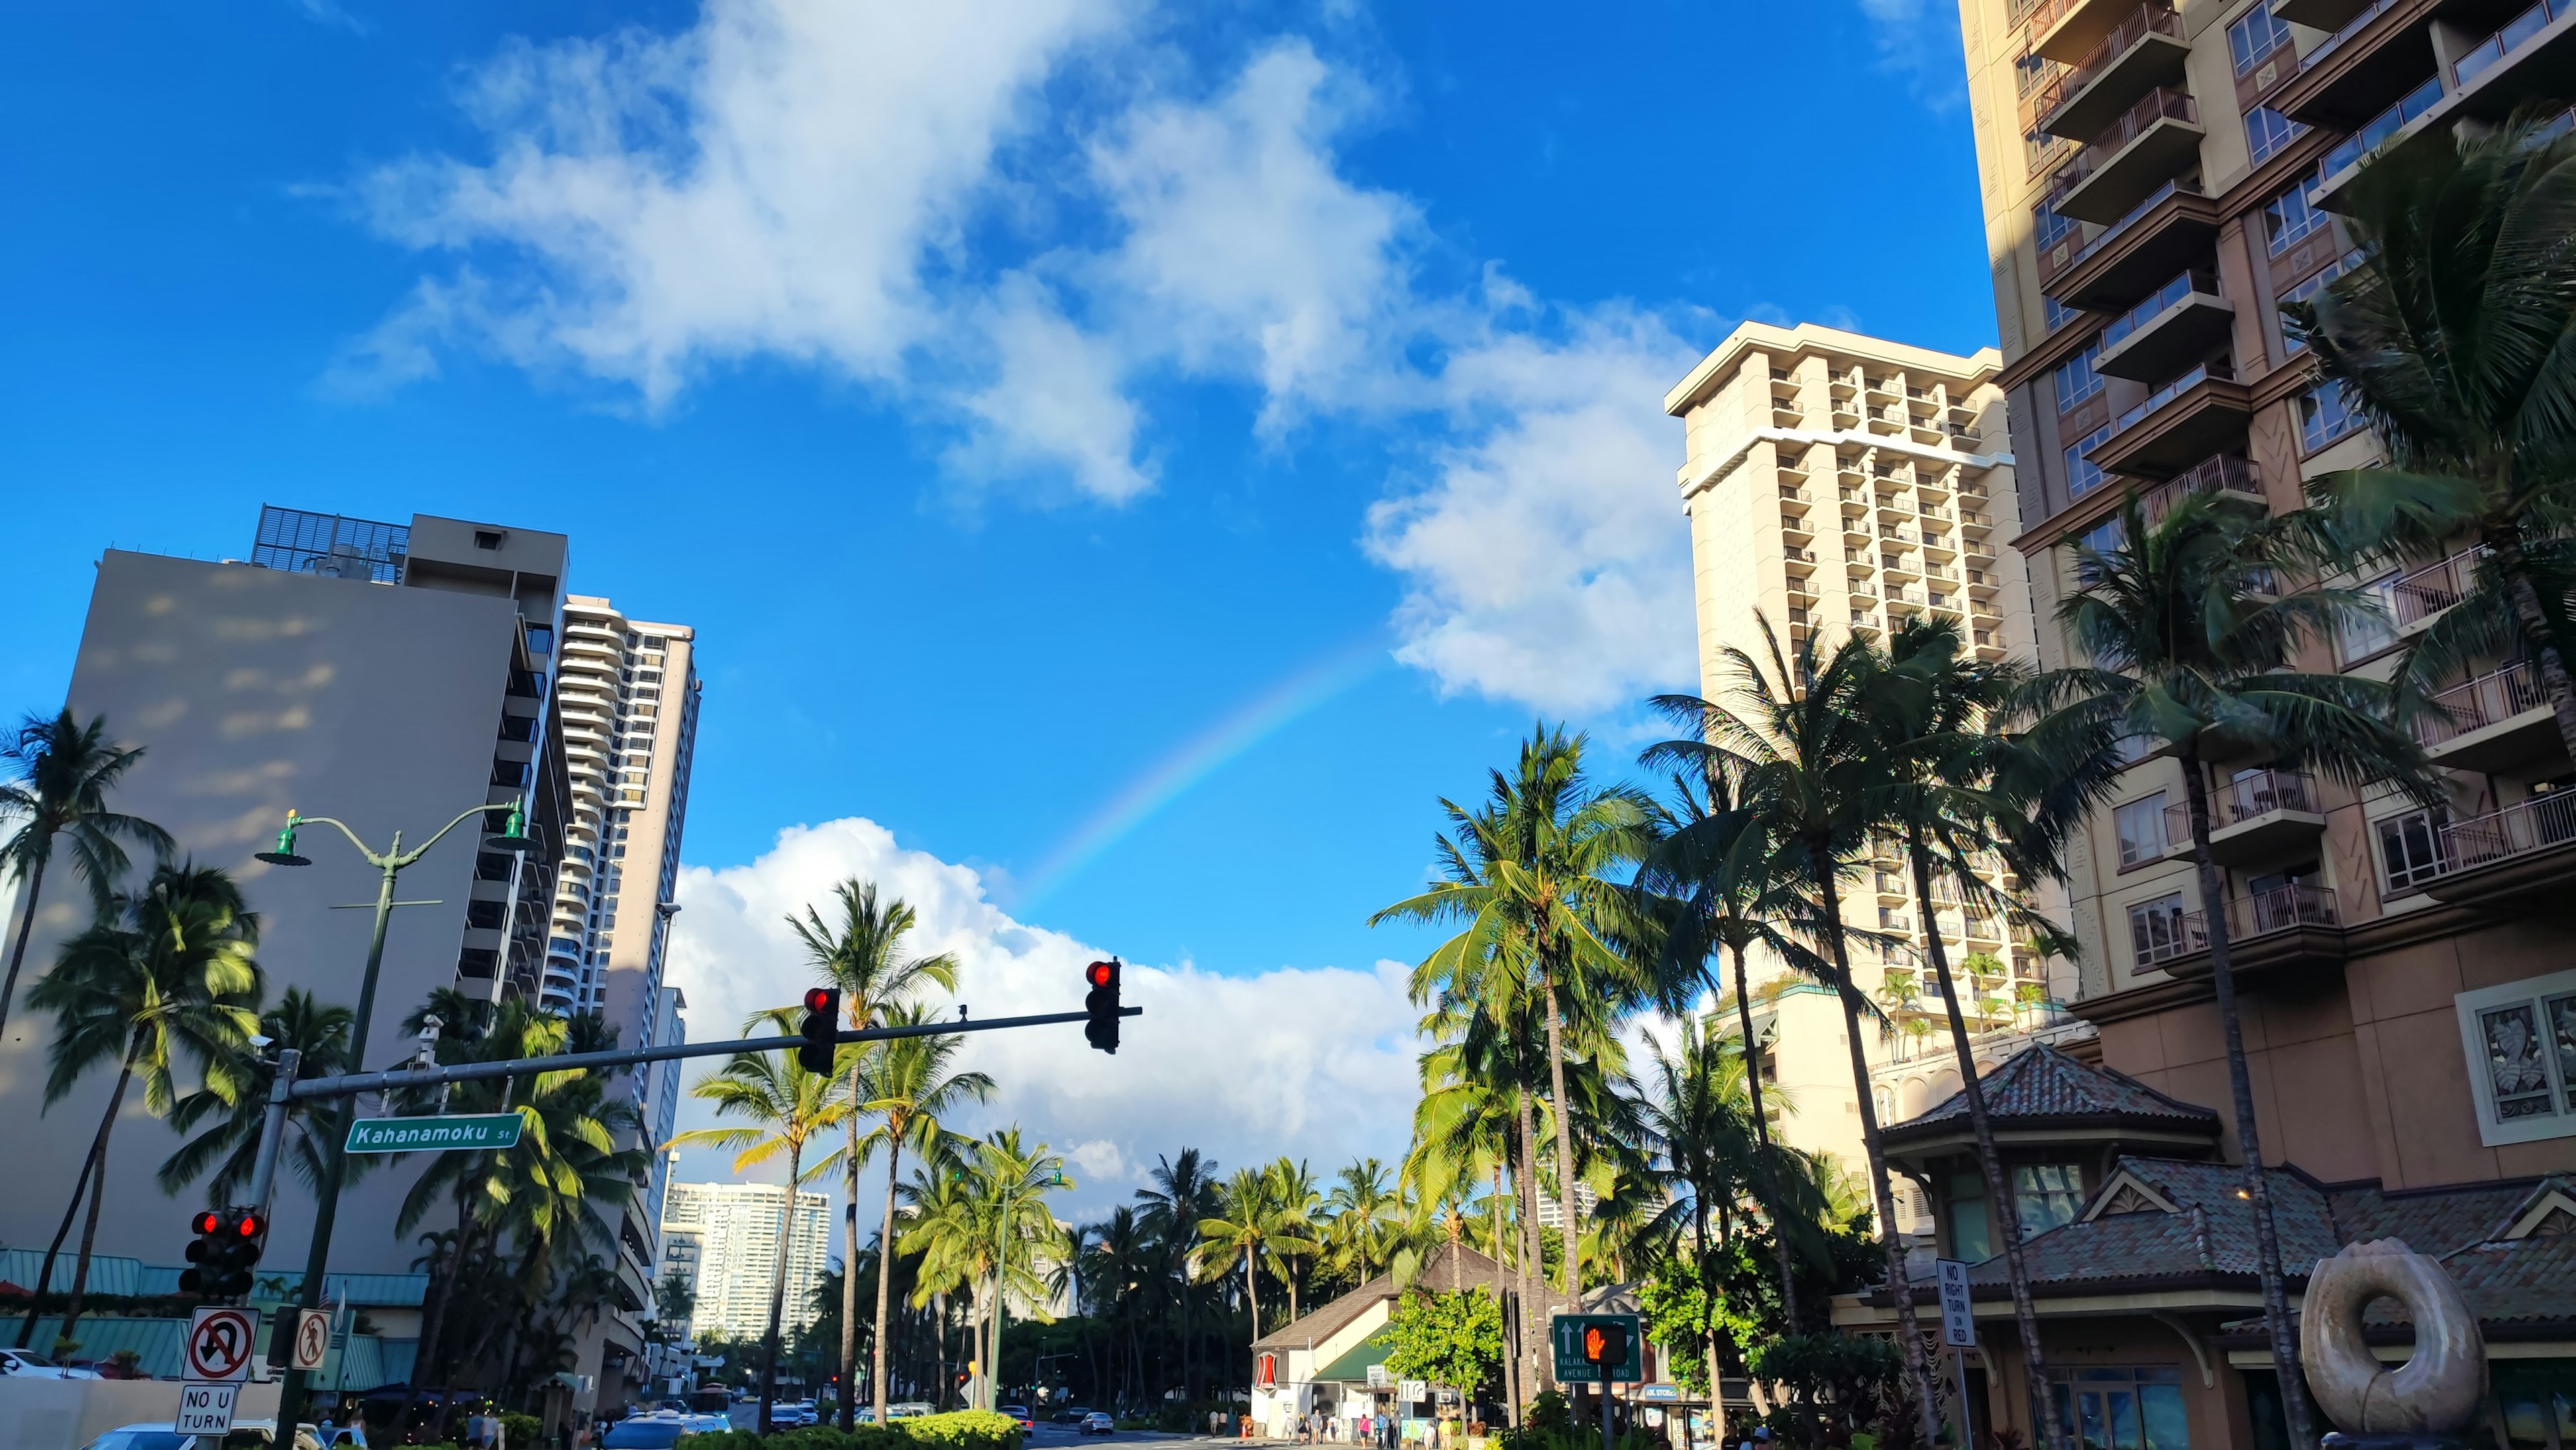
1012,396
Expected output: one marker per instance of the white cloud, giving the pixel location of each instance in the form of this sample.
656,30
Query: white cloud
1315,1063
1919,40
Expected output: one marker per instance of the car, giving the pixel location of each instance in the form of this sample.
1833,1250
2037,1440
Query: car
806,1414
20,1363
907,1410
651,1432
1021,1414
246,1435
1098,1423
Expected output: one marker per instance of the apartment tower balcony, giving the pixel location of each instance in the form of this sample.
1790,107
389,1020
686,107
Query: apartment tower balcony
2145,50
2204,411
2518,857
2382,52
2498,721
2155,140
2173,230
2285,927
2186,318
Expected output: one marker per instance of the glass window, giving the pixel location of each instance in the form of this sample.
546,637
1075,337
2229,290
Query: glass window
2104,537
2142,829
2057,314
2083,475
2410,850
2049,227
2155,929
2326,414
2046,1195
2267,130
2124,1409
1971,1236
2076,380
2361,636
2310,288
2292,215
2255,36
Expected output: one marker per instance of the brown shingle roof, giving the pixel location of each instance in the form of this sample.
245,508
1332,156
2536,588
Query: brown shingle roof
1473,1271
2041,1085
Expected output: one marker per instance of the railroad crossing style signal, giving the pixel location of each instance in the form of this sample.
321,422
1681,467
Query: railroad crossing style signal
819,1029
1102,1004
227,1247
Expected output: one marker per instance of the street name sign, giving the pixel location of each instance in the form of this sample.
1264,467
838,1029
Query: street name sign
219,1345
433,1134
206,1410
1565,1333
1958,1320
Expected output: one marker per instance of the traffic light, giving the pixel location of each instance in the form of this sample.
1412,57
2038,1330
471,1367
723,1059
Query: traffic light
1102,1004
226,1249
819,1029
1605,1347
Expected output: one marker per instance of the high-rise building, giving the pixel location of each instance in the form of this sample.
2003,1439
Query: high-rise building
1838,485
682,1250
390,676
737,1226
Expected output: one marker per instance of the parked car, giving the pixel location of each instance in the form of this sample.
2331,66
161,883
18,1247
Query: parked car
36,1366
1021,1414
652,1432
164,1435
1098,1423
907,1410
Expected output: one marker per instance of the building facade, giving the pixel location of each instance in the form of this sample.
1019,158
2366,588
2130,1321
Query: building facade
737,1227
1837,485
390,676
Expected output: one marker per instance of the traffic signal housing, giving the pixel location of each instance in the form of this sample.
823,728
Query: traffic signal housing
821,1028
1102,1005
1605,1348
227,1247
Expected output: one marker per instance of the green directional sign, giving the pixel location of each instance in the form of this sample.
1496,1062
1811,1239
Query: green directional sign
433,1135
1565,1334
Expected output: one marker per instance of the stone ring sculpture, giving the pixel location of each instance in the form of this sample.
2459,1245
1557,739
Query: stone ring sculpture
2439,1390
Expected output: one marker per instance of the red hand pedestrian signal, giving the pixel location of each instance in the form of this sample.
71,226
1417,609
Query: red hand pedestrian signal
1102,1005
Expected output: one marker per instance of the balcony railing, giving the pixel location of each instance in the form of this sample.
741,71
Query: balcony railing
2147,19
2251,797
2162,103
2435,587
2165,297
2280,909
2532,825
2183,186
2382,126
2222,473
2516,32
2473,705
2351,28
2170,391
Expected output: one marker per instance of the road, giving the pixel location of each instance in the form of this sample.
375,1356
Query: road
1051,1436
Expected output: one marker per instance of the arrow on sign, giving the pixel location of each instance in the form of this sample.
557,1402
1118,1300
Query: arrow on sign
219,1344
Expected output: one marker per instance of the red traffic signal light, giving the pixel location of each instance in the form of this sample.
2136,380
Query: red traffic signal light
820,1029
227,1247
1102,1005
248,1225
205,1224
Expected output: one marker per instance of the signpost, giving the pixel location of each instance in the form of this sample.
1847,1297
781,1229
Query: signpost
206,1410
433,1134
1958,1330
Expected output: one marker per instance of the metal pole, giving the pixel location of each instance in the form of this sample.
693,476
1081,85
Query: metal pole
326,1209
1605,1408
272,1129
1967,1424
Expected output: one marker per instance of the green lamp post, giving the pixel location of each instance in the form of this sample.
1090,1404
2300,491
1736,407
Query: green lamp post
389,864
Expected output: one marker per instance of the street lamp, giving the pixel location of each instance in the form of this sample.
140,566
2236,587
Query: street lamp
389,864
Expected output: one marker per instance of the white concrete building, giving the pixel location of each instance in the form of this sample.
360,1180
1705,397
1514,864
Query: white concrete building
737,1227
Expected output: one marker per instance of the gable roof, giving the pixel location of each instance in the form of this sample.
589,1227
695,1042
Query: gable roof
2041,1087
1472,1271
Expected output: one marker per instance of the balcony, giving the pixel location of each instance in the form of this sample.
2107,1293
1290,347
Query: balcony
2149,144
2182,320
2381,53
2203,412
2173,229
2522,855
2408,117
2259,816
2497,721
2529,55
2325,15
2416,598
2142,52
2066,31
2287,926
2226,477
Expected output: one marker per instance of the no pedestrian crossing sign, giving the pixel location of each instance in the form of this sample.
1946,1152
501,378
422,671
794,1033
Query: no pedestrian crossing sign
312,1338
433,1134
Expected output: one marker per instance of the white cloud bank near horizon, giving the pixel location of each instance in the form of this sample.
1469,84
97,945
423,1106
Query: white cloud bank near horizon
1315,1063
1014,220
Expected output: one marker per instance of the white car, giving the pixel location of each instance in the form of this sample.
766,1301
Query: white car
246,1435
18,1362
907,1410
1095,1423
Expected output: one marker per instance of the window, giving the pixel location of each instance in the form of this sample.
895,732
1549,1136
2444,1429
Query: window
2057,314
487,538
2103,537
2267,131
2076,380
2083,475
2142,829
2130,749
2521,1045
1971,1235
2255,36
2292,215
2049,228
2123,1409
2359,636
2046,1195
2410,850
2155,929
2326,414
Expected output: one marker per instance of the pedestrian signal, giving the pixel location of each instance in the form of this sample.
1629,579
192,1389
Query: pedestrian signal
1102,1005
820,1029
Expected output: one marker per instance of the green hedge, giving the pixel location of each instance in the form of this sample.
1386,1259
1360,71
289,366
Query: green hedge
962,1430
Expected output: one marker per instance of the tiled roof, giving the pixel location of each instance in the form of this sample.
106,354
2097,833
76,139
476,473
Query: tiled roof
2043,1084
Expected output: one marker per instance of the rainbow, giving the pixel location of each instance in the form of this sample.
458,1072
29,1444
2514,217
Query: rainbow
1199,757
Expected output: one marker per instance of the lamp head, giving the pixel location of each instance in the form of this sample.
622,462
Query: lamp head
285,855
514,836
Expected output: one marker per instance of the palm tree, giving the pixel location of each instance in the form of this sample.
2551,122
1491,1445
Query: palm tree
907,1084
1530,880
1239,1230
1806,756
1364,1205
788,1108
2190,642
319,1034
1183,1192
1293,1194
1013,1181
863,957
169,970
2448,336
65,771
1699,1117
1113,1262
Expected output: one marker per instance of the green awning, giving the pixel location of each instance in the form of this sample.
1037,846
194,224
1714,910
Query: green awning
1354,1363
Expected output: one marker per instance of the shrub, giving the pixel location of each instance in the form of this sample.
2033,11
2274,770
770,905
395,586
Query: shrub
961,1430
519,1429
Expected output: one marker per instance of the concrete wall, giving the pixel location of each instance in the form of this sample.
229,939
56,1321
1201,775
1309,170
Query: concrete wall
66,1414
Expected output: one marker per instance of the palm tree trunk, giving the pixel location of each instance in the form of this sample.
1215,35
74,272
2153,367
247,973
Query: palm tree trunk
1525,1246
885,1273
1189,1350
45,1276
2240,1083
1252,1297
850,1278
89,1227
433,1323
778,1289
1909,1334
1573,1267
2043,1405
2511,562
1511,1349
1762,1146
17,959
993,1366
